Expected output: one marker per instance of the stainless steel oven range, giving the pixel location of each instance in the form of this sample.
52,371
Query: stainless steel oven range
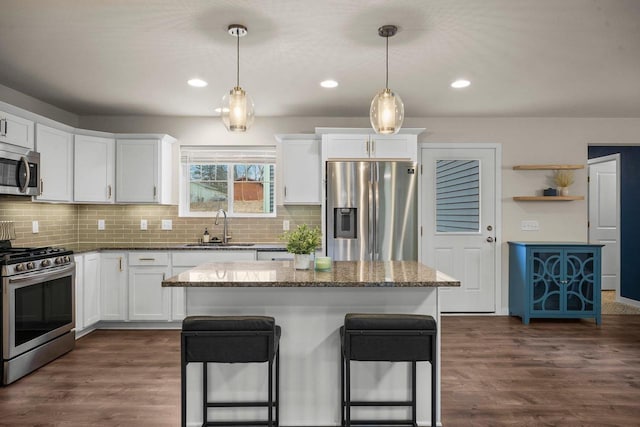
38,308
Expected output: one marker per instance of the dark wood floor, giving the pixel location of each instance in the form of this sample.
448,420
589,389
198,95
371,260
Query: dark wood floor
496,372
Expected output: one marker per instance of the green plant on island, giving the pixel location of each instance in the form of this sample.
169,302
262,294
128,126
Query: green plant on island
302,240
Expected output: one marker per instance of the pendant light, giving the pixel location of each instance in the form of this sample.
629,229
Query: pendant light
237,107
387,110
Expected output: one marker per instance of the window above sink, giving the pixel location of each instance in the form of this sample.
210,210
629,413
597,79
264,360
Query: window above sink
238,179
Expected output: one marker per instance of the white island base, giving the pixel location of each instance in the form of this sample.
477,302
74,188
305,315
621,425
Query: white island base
310,318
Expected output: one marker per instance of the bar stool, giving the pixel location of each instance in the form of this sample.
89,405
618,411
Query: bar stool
391,338
231,339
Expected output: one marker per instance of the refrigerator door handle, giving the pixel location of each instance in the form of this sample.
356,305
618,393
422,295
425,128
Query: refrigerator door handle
371,219
376,210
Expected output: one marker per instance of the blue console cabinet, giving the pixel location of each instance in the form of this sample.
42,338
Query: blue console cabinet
554,280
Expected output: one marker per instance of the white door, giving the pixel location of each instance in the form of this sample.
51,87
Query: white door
603,216
459,199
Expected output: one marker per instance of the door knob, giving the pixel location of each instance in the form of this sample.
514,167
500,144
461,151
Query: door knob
490,239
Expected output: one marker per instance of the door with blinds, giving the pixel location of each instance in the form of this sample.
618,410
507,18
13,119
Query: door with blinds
459,204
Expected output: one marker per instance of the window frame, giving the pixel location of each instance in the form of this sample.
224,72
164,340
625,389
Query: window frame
184,205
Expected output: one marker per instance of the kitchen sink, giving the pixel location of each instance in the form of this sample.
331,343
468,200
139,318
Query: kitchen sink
217,244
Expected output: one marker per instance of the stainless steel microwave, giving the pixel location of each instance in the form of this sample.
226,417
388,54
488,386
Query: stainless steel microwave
19,170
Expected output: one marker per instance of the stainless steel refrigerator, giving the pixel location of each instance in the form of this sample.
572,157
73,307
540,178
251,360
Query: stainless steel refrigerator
372,211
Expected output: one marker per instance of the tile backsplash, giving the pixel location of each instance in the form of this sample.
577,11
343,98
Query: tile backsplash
64,224
57,223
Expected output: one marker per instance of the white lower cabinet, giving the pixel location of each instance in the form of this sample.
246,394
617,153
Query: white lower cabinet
113,278
148,300
79,260
91,289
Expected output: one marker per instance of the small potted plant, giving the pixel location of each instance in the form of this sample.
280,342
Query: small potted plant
563,179
302,242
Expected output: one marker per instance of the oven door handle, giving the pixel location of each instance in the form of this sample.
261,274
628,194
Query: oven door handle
38,277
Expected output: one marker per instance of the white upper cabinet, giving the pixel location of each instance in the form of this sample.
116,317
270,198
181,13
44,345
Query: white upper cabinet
94,161
16,130
56,164
301,175
360,144
341,146
144,170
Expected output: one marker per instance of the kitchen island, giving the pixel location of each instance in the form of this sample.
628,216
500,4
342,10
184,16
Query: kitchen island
310,306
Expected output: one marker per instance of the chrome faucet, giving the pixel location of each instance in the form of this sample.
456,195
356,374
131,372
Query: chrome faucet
225,235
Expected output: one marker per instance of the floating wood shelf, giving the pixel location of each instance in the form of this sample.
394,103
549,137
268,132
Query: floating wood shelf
547,198
546,167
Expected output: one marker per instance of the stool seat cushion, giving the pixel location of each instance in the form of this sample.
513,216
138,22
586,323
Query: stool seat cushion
388,337
228,323
230,339
389,322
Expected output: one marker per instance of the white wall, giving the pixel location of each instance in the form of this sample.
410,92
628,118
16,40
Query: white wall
29,103
524,141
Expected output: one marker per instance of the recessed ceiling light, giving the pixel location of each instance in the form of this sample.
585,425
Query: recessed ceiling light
460,83
197,83
329,83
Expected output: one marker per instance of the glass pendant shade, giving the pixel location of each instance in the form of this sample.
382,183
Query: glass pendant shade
237,110
387,112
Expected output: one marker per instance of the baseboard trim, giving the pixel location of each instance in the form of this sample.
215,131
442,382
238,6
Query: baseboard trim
629,301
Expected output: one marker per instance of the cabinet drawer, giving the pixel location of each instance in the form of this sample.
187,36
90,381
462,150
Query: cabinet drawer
274,256
148,258
193,258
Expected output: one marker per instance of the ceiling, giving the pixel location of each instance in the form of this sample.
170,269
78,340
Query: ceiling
536,58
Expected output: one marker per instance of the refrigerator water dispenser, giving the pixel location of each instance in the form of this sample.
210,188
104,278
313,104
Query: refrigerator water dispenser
344,221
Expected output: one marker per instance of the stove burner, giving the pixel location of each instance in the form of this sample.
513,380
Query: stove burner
15,255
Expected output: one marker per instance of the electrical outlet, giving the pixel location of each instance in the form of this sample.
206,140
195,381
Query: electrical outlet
143,224
101,224
529,225
285,225
35,227
167,224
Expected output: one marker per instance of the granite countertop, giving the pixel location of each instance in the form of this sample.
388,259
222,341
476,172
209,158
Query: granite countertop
93,247
282,274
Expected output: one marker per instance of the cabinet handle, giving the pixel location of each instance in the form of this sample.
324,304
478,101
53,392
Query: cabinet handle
163,276
41,185
109,191
120,263
3,128
6,124
155,191
146,259
285,191
373,146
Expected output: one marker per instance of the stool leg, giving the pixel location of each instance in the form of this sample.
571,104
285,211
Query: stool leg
414,415
434,382
341,388
270,418
183,384
348,392
204,393
278,387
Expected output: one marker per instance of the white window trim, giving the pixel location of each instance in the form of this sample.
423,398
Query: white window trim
183,204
